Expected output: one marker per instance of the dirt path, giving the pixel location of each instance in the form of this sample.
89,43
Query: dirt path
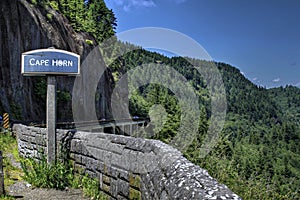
20,190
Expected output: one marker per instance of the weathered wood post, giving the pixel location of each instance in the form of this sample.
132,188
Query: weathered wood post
2,191
51,119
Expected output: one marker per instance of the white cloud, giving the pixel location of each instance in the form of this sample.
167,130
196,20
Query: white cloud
255,79
129,5
297,84
276,80
178,1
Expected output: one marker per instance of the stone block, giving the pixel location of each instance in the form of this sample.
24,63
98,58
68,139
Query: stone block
124,175
77,158
119,197
122,187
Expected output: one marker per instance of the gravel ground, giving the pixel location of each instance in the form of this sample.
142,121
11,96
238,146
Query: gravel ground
22,190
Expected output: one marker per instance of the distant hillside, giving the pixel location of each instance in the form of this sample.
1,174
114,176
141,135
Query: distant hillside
258,155
288,100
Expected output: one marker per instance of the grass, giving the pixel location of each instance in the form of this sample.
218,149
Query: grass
60,176
42,175
8,145
6,197
12,174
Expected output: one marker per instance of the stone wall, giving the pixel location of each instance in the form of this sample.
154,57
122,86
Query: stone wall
129,168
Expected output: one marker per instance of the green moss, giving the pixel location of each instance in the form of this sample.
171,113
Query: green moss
106,179
49,16
105,169
106,188
134,194
135,181
89,42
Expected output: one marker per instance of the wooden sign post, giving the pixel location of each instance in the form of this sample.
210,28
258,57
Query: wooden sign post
50,62
51,119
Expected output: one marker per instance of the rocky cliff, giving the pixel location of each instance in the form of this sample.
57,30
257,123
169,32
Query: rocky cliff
24,27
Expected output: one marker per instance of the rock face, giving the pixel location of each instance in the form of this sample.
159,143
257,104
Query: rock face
25,27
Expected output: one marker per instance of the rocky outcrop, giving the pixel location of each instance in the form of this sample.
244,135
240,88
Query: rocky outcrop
24,27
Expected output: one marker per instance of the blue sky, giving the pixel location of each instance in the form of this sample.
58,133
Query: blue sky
260,37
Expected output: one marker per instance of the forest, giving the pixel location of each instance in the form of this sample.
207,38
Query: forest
257,154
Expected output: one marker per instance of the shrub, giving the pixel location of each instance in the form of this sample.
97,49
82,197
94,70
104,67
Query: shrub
59,176
40,174
54,5
49,16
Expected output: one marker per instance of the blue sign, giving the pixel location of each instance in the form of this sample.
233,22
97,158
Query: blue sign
50,62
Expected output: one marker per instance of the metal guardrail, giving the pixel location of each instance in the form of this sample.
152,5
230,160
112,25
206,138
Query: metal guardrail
89,125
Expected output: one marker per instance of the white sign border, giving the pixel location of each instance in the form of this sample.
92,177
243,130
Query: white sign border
49,73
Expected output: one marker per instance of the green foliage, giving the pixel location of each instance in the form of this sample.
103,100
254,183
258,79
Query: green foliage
89,42
63,96
6,197
90,16
258,154
91,188
86,16
34,2
40,174
49,16
9,148
54,5
40,88
7,142
288,100
59,175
